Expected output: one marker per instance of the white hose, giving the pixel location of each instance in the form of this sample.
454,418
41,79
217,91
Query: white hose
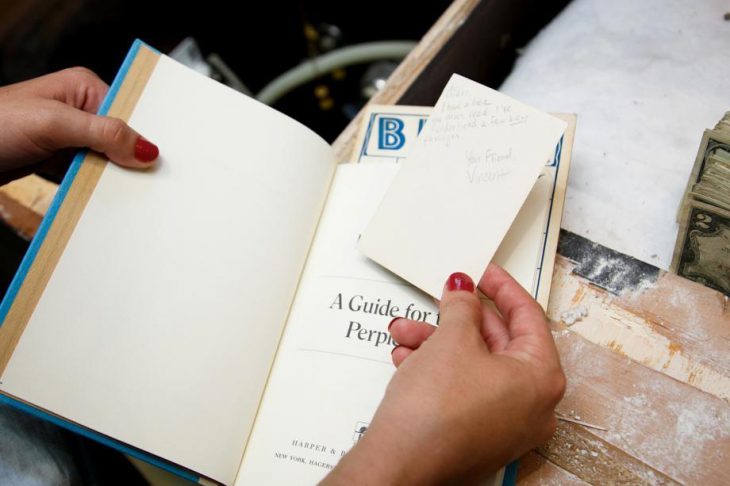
346,56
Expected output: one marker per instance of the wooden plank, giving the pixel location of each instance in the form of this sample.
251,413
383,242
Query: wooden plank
660,429
536,470
23,203
594,461
694,317
19,217
671,325
33,192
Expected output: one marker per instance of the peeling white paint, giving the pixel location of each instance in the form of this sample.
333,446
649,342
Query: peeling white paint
634,337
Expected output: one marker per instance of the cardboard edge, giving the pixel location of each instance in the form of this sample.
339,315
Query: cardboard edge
557,204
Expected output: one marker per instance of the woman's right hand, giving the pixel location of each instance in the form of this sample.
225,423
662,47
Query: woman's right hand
469,396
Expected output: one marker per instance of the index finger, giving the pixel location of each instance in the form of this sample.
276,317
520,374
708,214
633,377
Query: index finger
522,314
78,87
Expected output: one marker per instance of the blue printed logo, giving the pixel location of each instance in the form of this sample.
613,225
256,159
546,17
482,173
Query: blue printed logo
390,134
556,157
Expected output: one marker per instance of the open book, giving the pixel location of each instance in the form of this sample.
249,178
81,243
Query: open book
213,315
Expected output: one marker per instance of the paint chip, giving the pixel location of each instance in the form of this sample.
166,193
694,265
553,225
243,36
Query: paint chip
571,316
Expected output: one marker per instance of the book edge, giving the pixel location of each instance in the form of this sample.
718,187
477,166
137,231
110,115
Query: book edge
63,189
30,257
99,437
563,157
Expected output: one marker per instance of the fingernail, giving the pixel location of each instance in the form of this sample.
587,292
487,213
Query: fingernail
393,350
145,151
391,322
460,281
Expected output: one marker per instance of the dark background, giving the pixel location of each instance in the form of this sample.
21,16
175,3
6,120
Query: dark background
258,40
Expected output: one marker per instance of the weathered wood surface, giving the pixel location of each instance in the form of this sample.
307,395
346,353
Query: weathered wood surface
24,202
651,365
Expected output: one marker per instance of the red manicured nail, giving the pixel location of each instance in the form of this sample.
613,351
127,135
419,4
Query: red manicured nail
145,151
460,281
391,322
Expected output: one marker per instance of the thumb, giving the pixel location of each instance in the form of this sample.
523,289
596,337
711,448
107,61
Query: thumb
114,138
69,127
460,309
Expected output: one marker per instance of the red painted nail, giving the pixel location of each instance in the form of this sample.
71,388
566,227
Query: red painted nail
390,324
460,281
145,151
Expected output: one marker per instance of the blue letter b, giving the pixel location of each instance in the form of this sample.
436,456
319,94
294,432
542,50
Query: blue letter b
390,134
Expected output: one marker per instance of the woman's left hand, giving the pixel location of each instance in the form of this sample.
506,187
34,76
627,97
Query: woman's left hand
42,116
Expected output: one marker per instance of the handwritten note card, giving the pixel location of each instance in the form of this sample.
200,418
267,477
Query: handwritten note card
464,182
